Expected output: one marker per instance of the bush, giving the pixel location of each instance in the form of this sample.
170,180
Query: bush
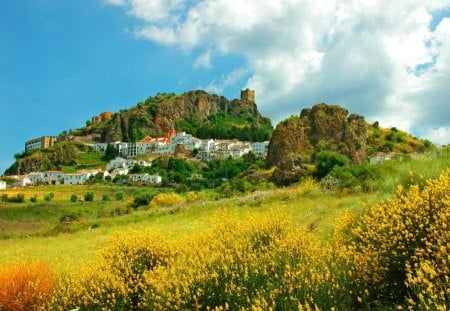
49,196
166,200
119,195
325,161
73,198
143,198
351,176
400,248
18,198
116,280
33,199
4,197
25,286
105,198
89,196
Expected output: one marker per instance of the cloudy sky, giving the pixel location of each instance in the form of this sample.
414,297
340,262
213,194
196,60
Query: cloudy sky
62,62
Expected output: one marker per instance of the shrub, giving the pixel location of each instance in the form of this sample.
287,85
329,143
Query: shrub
329,183
351,176
105,198
4,197
18,198
89,196
25,286
325,161
166,200
400,248
115,281
119,195
191,197
49,196
143,198
73,198
33,199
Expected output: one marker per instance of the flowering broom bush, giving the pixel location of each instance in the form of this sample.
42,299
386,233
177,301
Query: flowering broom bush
400,249
25,286
394,255
115,280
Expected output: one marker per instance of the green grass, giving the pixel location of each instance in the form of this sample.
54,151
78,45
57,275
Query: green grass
35,230
305,207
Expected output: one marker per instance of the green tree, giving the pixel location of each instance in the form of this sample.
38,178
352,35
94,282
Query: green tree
326,160
110,152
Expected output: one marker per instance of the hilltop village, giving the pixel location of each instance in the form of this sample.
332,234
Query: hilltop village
173,143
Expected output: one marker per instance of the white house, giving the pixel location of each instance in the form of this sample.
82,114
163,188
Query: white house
53,177
239,151
154,179
187,140
145,178
164,149
21,181
119,171
116,163
80,177
260,148
2,185
208,145
76,179
100,147
35,177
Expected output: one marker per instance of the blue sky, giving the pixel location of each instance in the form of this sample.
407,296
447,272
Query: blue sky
62,62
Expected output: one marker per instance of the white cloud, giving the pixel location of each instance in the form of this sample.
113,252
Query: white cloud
438,135
204,60
115,2
217,86
377,58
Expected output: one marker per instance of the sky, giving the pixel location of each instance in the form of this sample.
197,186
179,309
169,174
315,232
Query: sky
62,62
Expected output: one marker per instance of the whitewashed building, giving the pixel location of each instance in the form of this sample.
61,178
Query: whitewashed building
239,151
35,177
2,185
208,145
119,171
260,148
187,140
80,177
21,181
53,177
76,178
145,178
116,163
100,147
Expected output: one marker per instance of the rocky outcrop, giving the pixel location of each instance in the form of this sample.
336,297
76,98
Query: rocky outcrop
323,127
156,116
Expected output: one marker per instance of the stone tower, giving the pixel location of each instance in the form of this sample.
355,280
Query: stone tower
248,95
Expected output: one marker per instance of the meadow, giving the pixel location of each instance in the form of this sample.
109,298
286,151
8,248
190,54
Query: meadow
300,247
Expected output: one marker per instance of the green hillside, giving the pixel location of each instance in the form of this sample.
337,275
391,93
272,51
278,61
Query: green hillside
304,221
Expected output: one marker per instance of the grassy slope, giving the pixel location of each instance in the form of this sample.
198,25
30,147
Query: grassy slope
306,204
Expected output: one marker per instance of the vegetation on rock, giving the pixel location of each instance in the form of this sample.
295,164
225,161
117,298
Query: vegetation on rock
330,128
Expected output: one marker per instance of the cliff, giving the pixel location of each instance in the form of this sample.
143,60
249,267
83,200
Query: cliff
186,112
323,127
297,139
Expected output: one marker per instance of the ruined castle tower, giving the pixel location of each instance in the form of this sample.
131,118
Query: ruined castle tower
248,95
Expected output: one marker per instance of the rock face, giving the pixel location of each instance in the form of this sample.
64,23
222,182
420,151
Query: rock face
323,127
157,117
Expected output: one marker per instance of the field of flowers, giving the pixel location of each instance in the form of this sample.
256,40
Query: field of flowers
393,256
